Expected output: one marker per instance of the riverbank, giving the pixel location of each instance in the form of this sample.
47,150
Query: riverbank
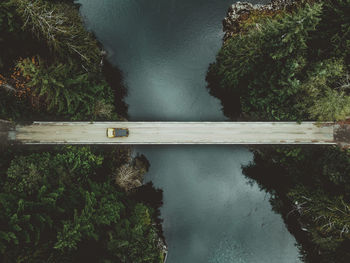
287,62
241,16
62,204
210,213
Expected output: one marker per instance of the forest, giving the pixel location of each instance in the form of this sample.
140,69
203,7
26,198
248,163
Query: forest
293,64
67,204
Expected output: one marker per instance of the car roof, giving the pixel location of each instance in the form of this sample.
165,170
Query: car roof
121,132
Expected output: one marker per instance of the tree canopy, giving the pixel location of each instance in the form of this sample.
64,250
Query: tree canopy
293,65
60,207
59,72
62,204
280,70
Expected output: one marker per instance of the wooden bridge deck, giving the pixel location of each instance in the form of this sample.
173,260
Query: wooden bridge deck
177,133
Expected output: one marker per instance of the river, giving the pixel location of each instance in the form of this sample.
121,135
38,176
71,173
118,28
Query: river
211,213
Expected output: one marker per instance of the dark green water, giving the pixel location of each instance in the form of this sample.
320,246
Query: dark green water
211,214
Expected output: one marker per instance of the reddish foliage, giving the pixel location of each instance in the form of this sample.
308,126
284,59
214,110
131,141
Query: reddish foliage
20,83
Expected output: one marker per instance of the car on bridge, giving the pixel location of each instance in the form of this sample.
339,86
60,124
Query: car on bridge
117,132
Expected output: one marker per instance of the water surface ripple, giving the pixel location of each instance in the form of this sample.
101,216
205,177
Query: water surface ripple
211,214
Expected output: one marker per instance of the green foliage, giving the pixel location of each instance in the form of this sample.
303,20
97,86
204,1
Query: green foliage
12,108
322,76
295,66
65,90
26,173
60,25
68,78
326,89
8,25
280,71
77,161
7,21
61,206
311,185
62,210
329,216
263,67
333,32
332,106
128,243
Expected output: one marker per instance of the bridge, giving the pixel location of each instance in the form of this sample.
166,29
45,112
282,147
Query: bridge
327,133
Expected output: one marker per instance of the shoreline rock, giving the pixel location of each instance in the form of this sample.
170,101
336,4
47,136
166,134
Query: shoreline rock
240,11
